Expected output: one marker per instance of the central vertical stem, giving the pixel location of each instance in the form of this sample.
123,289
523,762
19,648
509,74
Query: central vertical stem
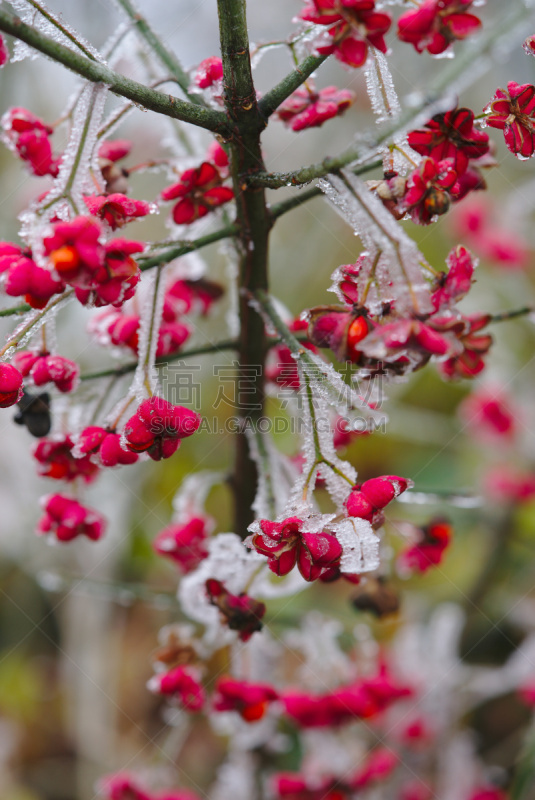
255,222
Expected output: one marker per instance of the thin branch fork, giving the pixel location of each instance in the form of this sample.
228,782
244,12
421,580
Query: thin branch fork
214,121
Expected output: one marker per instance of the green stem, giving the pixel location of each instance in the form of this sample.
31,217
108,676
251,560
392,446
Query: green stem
287,337
124,369
371,277
167,58
255,223
507,315
278,209
95,72
8,312
185,247
272,99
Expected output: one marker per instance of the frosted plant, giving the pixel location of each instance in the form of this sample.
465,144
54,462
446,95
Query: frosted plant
245,659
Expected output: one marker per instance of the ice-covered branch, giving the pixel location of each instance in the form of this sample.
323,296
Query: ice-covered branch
393,263
339,395
20,335
65,30
168,105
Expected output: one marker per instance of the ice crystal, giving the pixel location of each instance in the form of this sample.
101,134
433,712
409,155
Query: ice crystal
31,324
151,316
190,498
235,778
266,585
360,545
458,770
258,52
232,318
275,476
114,120
325,665
427,655
431,498
78,167
380,86
327,383
230,562
393,261
331,752
244,735
308,41
30,14
259,660
386,106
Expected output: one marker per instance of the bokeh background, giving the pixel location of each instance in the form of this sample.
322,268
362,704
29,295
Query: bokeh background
78,624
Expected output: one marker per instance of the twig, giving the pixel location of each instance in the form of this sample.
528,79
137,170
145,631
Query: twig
167,58
215,121
124,369
272,99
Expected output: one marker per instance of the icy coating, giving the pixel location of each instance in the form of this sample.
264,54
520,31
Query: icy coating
29,13
393,260
75,177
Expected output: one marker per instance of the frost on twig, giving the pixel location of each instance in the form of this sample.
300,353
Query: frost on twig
324,664
276,475
190,498
79,167
386,106
320,457
392,268
32,323
45,21
360,545
328,384
337,394
380,87
146,375
231,563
